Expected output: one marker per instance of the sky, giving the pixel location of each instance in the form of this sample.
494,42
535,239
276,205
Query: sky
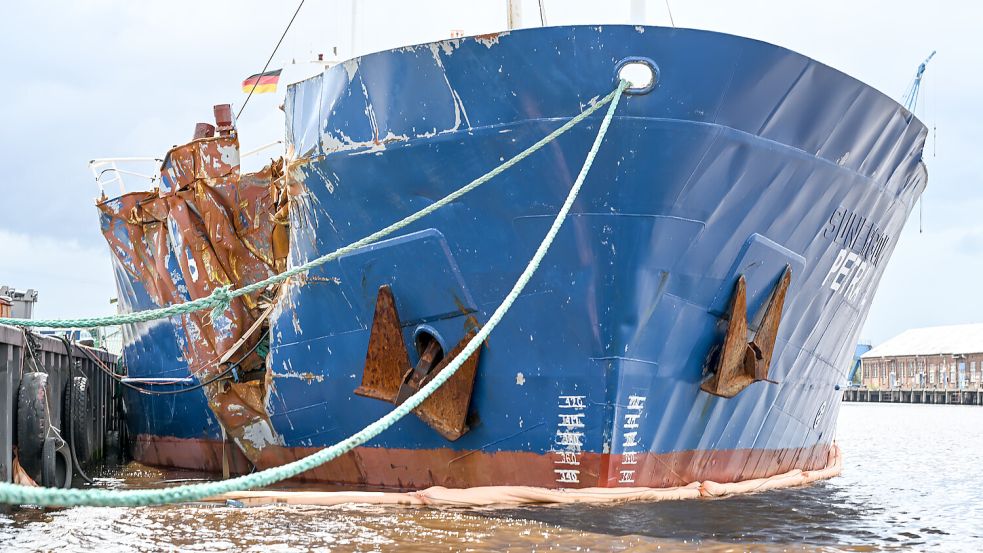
109,78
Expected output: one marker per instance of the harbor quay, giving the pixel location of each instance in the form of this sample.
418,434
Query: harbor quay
915,395
940,364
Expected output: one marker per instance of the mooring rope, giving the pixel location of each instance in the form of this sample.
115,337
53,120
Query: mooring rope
220,298
25,495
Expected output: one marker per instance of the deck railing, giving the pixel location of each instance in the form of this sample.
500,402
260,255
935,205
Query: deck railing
110,171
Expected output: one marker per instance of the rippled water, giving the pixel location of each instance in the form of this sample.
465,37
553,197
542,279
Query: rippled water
911,480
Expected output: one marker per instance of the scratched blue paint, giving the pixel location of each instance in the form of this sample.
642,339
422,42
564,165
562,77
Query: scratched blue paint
744,158
153,349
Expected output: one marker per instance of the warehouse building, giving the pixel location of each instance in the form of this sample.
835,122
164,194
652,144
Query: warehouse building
936,357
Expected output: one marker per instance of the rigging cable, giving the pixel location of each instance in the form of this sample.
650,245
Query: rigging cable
202,384
273,53
668,9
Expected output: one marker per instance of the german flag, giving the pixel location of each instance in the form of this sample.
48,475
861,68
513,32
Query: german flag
263,82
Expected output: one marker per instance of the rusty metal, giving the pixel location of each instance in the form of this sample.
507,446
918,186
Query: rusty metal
763,343
388,375
204,130
242,353
730,375
223,119
222,221
386,361
415,378
739,362
446,410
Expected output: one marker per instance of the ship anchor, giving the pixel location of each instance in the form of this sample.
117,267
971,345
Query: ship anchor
740,362
388,375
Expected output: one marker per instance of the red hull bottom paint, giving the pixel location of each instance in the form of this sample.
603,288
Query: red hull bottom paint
411,469
487,496
182,453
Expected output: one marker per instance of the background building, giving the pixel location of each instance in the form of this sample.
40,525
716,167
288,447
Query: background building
934,357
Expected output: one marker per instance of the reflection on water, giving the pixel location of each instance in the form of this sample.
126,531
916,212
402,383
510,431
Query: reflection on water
910,481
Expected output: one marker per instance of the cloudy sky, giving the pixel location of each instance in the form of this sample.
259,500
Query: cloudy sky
107,78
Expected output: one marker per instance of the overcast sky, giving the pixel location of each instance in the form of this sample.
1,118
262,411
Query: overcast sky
123,78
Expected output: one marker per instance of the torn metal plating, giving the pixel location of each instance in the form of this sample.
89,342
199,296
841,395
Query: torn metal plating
205,227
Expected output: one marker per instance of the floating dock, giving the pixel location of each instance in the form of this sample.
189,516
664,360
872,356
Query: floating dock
923,395
20,355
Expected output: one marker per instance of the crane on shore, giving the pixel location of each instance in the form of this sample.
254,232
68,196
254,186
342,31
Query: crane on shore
910,101
911,96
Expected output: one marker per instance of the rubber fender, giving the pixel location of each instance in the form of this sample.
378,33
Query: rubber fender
33,421
77,412
56,465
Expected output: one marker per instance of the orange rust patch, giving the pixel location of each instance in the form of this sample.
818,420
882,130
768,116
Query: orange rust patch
220,228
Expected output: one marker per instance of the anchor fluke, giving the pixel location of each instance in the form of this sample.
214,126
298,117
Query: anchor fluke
388,375
740,362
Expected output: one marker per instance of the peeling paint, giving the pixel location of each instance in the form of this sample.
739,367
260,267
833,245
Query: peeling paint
207,226
448,46
309,377
351,68
259,435
459,111
490,39
341,143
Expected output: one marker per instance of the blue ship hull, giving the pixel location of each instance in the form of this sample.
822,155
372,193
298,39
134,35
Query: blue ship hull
744,159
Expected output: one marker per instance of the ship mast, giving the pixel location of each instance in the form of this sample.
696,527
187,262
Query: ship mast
515,13
354,25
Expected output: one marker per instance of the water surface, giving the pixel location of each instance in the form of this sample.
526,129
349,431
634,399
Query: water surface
911,481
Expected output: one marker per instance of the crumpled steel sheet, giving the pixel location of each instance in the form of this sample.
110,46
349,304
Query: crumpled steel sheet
207,226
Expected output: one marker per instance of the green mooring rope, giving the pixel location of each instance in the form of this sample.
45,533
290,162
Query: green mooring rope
220,298
25,495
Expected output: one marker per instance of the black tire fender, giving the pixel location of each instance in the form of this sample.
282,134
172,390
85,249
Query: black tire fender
77,417
56,465
33,422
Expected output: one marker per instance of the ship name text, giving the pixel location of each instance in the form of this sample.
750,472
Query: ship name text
857,233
